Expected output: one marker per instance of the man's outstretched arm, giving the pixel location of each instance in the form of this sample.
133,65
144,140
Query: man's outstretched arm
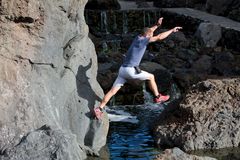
159,23
164,35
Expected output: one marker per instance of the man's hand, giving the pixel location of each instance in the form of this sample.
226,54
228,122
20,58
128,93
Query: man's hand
159,23
176,29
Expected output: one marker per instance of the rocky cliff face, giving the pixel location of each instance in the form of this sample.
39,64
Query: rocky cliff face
48,81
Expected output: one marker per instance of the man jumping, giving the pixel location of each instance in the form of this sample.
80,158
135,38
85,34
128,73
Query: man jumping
130,67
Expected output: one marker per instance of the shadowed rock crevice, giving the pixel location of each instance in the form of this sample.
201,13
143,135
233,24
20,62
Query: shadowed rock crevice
23,19
69,48
36,63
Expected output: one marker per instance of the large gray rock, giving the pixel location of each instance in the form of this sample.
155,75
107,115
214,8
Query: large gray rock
203,64
45,144
48,69
176,153
209,34
208,118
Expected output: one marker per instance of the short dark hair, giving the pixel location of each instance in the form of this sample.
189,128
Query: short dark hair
145,30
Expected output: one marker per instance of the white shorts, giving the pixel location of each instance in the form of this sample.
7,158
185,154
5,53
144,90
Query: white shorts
126,73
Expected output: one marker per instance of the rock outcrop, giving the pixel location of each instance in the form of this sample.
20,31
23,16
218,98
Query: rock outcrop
176,153
48,69
208,118
209,34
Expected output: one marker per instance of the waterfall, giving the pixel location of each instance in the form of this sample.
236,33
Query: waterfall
144,24
125,23
147,96
148,19
155,16
114,22
175,94
112,101
104,23
104,47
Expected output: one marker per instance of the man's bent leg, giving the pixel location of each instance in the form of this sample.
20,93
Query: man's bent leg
152,85
151,81
99,110
109,95
119,82
158,98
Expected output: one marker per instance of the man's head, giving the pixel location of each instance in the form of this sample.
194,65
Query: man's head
147,32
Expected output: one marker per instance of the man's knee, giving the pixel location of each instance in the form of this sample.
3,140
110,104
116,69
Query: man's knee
151,76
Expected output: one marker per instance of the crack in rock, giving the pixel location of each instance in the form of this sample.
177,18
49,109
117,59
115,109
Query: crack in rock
36,63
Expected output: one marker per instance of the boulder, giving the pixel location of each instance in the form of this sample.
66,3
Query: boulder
203,64
207,118
45,144
209,34
187,55
186,77
48,69
223,64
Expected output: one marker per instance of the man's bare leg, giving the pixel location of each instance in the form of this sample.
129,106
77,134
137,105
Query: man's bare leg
152,85
109,95
158,98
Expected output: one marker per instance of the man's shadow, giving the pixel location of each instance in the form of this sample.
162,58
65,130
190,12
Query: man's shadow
85,91
84,88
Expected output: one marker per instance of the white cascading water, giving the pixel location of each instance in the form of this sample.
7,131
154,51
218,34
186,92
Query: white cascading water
104,24
125,23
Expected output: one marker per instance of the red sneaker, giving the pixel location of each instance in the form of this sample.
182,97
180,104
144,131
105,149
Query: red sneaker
161,98
98,113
